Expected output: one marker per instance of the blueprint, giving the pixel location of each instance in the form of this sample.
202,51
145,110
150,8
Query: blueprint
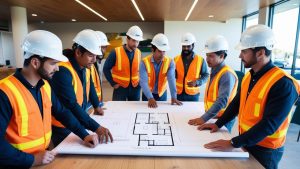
141,131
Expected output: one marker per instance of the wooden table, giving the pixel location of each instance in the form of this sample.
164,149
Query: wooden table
5,71
150,162
122,162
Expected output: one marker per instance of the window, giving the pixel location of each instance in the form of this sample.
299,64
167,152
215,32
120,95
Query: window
252,20
284,25
297,63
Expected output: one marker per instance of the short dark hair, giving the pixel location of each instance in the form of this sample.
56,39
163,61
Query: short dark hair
267,51
153,47
221,52
128,37
79,47
27,61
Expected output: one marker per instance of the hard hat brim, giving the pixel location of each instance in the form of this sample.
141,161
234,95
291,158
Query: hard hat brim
166,48
60,58
240,47
105,44
186,44
135,37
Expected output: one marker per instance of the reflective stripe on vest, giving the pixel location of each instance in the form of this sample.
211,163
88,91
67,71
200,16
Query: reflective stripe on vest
162,77
122,73
96,81
192,74
27,130
77,86
252,106
212,90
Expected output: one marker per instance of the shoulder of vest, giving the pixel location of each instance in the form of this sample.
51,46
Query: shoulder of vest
176,58
147,57
196,55
119,47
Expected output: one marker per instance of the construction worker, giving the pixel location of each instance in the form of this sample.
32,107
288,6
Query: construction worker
190,71
263,105
74,88
222,84
27,103
121,68
95,73
155,70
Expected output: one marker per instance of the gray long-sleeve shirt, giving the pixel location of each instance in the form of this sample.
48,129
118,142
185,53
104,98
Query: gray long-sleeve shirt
225,87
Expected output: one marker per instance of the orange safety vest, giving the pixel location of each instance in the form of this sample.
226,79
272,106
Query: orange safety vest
162,76
252,107
121,72
96,81
27,131
192,74
212,90
77,85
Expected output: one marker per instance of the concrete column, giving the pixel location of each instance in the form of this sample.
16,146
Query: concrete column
263,16
19,30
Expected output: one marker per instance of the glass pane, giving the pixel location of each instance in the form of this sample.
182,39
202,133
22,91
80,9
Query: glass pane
297,65
252,20
285,27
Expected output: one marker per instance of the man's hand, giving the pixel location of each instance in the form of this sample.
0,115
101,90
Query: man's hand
209,126
91,140
116,86
175,101
152,103
196,121
98,111
104,134
43,157
220,145
192,83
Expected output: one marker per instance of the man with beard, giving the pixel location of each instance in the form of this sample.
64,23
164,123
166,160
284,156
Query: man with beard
121,68
191,70
263,104
222,84
155,70
27,103
74,87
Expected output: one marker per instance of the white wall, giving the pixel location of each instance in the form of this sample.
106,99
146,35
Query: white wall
7,48
202,31
67,31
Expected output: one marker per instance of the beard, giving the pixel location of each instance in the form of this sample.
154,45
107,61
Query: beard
44,74
250,63
187,52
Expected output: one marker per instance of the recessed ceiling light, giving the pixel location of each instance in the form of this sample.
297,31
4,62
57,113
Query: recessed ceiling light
92,10
190,11
42,22
211,16
73,20
33,14
138,10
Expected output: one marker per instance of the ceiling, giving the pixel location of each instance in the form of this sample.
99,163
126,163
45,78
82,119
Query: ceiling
123,10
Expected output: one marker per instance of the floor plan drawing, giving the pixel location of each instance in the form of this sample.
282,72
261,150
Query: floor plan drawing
138,130
153,129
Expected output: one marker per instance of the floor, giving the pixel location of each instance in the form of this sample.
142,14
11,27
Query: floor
292,147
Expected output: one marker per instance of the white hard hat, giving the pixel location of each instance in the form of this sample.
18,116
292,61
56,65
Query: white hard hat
89,40
161,42
135,33
44,44
257,36
188,39
103,38
216,43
